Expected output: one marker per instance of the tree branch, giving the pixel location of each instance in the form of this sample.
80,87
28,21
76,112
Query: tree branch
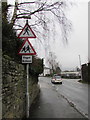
24,17
26,3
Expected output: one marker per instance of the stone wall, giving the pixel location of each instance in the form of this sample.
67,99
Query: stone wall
14,89
0,84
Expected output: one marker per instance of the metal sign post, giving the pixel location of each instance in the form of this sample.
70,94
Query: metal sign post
26,51
27,93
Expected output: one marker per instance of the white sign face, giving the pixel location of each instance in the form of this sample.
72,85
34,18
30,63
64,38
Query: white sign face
26,59
27,49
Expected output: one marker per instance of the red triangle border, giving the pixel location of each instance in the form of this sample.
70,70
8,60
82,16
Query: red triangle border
23,30
27,53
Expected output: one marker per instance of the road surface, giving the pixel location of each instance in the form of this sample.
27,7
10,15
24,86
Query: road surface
52,104
76,93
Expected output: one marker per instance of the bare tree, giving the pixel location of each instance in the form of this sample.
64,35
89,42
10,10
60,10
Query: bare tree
42,13
53,64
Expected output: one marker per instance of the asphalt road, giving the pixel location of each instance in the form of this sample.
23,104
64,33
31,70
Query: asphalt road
76,93
52,102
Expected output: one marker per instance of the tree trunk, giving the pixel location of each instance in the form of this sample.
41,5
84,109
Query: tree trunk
14,14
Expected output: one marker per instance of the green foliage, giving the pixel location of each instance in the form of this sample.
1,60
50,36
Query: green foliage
4,11
10,42
36,67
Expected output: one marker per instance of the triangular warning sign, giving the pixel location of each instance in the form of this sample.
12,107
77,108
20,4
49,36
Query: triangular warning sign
27,49
27,32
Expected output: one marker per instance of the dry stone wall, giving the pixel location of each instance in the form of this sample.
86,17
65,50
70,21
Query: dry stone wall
14,89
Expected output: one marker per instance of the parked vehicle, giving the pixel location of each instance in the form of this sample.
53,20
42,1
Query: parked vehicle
56,79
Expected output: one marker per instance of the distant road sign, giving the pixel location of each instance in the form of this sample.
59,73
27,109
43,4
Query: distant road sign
27,49
26,59
27,32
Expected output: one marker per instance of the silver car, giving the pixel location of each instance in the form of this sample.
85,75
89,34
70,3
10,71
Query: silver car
56,79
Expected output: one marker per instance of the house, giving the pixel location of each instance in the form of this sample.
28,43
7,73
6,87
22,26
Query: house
46,71
74,74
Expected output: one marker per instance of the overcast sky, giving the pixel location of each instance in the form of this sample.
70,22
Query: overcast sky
68,55
78,42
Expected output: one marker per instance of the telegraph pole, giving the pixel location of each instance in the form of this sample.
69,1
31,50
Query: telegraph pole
80,66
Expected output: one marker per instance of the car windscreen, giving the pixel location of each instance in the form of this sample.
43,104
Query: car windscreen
57,77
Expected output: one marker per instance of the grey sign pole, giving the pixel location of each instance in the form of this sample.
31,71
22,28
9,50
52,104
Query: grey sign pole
27,94
27,49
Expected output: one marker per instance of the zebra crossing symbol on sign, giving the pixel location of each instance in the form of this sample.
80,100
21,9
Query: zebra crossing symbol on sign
27,49
27,32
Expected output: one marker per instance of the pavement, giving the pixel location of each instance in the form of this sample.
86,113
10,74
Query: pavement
50,104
